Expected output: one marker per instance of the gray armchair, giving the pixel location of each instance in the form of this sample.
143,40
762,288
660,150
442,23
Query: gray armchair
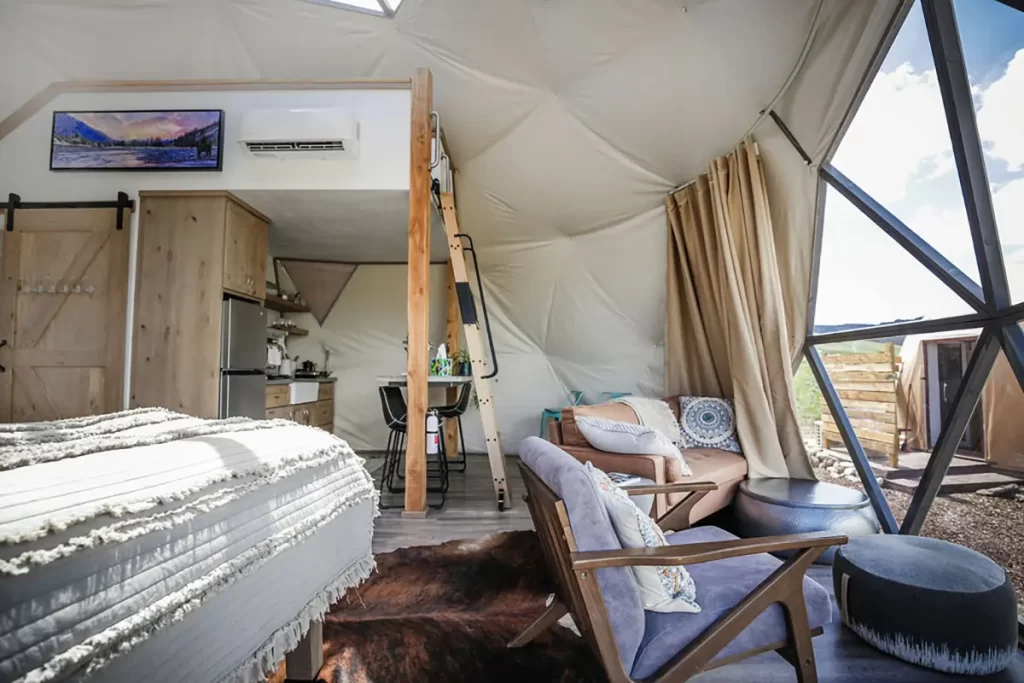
751,602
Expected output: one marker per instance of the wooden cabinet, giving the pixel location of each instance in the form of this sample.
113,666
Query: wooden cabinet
245,252
319,413
278,395
303,414
193,246
281,413
323,413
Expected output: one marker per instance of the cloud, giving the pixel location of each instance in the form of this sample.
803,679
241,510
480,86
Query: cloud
865,277
1009,207
947,230
898,135
999,115
143,125
898,150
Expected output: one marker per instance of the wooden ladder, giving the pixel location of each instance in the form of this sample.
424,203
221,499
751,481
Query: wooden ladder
480,361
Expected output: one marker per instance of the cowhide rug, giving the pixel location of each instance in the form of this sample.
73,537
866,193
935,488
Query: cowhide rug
445,613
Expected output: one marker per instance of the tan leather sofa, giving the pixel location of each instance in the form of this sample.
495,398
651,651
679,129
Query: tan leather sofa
724,468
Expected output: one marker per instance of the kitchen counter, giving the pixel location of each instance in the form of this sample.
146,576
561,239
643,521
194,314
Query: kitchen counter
289,380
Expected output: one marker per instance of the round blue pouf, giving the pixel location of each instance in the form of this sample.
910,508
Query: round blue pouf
771,507
928,602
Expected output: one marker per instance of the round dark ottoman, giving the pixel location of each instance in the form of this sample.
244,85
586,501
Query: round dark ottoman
928,602
770,507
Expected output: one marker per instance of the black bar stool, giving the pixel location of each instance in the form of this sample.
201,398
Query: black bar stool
393,404
455,411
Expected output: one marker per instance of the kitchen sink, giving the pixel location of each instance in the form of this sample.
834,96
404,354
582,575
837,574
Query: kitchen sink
303,392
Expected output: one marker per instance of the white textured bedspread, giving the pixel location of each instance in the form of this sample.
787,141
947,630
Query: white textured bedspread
115,528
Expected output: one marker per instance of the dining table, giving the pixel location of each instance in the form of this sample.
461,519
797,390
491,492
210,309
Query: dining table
432,380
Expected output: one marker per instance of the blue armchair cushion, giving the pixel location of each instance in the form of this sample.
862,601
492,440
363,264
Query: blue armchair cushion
721,585
592,530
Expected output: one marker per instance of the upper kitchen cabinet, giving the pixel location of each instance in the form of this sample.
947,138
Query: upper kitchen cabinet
245,251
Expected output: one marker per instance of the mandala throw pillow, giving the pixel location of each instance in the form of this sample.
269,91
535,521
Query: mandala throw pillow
706,422
662,589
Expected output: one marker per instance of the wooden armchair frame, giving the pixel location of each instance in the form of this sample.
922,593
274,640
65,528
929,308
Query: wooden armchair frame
577,591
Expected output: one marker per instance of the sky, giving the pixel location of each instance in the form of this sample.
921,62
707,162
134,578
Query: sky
144,125
898,150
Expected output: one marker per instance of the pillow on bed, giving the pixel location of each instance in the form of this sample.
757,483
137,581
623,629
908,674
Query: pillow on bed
624,437
706,422
662,589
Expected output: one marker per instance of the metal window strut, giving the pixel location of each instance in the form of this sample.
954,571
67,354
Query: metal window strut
957,100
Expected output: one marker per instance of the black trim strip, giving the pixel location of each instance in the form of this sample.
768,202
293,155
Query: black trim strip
14,204
789,136
467,306
483,304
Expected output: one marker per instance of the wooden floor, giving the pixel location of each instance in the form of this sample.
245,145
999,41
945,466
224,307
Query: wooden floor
842,657
471,511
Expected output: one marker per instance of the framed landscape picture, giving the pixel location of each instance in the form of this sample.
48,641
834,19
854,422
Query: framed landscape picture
180,140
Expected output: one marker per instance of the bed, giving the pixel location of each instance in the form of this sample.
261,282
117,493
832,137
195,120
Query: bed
152,545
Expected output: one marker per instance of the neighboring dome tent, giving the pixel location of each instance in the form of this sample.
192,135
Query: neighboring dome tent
1001,406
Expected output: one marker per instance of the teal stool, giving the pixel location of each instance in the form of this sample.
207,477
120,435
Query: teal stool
612,395
574,399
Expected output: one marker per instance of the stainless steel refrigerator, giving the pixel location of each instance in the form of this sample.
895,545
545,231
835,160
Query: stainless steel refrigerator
243,359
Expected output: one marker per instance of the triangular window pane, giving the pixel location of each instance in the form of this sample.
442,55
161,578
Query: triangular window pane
897,148
992,35
866,278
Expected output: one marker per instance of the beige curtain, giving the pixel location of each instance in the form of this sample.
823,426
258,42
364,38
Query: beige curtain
725,323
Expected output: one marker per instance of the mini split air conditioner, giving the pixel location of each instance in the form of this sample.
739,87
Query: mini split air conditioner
300,134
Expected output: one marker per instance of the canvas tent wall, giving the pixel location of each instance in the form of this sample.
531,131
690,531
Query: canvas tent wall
568,121
1002,402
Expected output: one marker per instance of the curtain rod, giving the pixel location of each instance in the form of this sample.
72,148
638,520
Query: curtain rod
757,151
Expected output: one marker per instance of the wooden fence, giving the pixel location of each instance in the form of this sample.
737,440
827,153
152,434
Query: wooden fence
866,384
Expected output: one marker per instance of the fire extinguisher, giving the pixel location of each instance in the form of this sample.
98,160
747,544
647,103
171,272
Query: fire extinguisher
433,434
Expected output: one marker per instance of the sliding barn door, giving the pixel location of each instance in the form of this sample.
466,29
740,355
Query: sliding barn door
63,298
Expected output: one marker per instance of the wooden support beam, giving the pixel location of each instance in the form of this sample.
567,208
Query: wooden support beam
453,341
418,294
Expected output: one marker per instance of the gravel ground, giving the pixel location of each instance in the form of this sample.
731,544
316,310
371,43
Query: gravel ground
991,523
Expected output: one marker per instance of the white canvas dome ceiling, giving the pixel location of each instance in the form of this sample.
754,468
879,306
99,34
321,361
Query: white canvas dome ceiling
568,121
